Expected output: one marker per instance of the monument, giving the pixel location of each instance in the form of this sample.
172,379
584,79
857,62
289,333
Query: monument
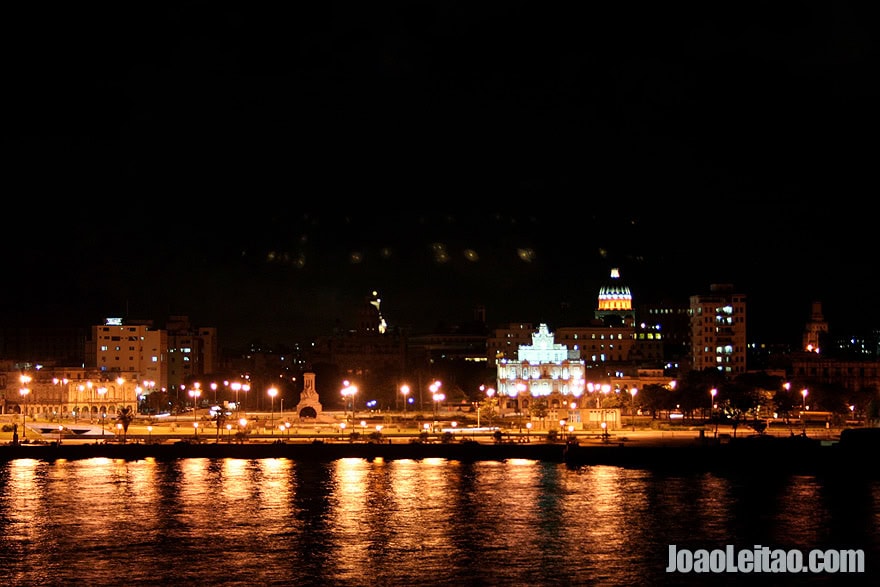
308,408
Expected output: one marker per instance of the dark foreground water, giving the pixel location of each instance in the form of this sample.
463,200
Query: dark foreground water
409,522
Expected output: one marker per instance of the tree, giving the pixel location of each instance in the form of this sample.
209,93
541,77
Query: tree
694,390
738,402
488,409
125,417
539,408
654,398
219,418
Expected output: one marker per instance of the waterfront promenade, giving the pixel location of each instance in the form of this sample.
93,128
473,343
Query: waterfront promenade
392,430
683,448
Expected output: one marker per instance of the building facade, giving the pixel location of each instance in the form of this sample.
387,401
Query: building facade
133,351
48,395
718,330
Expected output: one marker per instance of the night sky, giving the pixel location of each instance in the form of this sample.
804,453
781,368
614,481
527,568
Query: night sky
274,165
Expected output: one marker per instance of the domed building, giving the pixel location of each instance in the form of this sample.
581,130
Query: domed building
615,302
583,375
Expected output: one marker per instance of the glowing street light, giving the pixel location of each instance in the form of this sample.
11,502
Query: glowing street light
63,383
490,393
404,391
632,393
236,387
24,391
712,393
102,391
272,393
348,392
804,393
245,387
195,394
438,398
436,395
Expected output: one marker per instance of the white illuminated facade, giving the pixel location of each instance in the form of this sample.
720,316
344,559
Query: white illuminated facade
542,369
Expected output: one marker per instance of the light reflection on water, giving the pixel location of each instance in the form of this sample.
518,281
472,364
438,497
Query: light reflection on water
401,522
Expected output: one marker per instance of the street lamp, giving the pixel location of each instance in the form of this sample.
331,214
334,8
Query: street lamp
804,393
24,391
437,396
236,387
148,388
404,391
348,392
490,393
712,393
272,393
245,387
195,394
63,383
80,389
149,435
632,392
102,391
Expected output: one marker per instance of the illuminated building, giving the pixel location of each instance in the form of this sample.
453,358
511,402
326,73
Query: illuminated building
718,330
546,370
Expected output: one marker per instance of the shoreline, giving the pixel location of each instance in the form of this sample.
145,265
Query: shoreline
748,454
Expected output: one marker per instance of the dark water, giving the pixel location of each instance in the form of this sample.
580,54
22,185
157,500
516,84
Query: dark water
405,522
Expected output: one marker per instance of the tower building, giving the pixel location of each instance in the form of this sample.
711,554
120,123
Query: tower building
718,330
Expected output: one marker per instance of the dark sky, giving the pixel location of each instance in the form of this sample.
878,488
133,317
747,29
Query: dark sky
451,154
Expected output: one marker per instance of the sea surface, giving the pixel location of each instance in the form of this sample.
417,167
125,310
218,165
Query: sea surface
428,522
